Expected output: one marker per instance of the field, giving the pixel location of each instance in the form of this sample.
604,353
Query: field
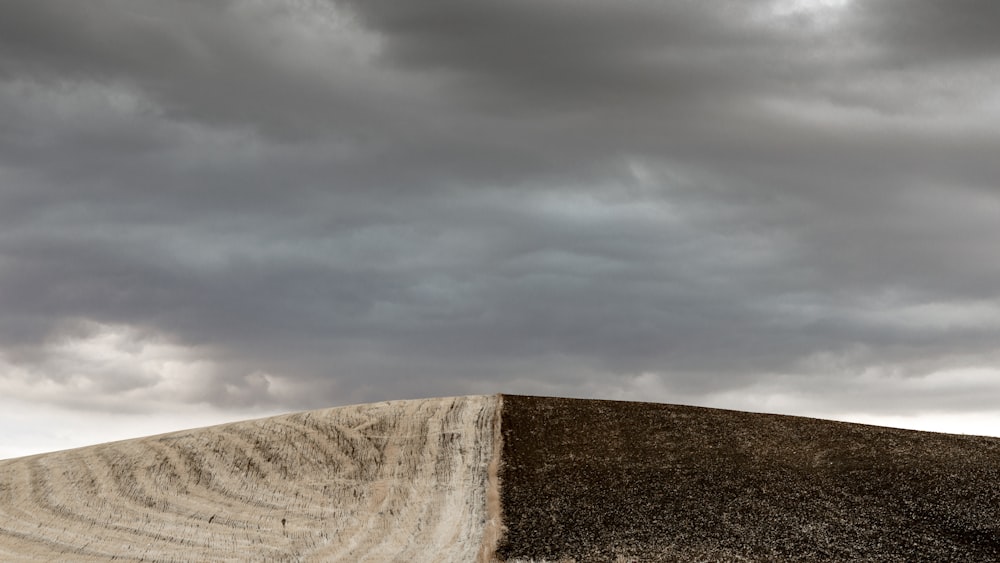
397,481
511,478
622,481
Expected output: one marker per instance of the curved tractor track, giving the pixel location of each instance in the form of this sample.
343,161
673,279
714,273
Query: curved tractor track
396,481
511,478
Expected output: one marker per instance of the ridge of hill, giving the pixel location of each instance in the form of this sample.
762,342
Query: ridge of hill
511,478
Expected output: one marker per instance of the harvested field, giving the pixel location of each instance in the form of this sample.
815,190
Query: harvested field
579,480
397,481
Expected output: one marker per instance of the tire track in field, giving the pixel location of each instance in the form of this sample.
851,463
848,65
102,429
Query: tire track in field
381,482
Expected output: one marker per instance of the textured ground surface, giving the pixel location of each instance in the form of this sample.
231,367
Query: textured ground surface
614,481
399,481
584,481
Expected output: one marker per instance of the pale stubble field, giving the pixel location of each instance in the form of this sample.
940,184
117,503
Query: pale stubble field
396,481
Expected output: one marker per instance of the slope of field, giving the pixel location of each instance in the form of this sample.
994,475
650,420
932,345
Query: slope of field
574,480
593,481
398,481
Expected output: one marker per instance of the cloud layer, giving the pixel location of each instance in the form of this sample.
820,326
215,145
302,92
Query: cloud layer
297,204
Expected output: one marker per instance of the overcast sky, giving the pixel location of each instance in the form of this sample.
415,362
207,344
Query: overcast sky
218,210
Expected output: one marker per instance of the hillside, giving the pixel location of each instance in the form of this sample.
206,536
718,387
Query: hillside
579,480
403,480
603,480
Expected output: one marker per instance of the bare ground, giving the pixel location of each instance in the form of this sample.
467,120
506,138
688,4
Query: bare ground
398,481
587,480
517,479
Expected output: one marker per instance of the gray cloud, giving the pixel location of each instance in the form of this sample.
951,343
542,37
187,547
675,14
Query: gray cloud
313,203
926,32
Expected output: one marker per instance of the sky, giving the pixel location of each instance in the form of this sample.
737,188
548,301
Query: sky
214,211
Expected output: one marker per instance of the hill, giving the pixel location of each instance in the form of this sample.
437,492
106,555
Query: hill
570,480
396,481
606,481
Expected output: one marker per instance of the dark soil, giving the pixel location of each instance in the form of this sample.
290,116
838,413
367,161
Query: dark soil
621,481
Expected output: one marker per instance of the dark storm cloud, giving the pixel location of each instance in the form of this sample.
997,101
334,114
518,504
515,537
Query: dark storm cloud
928,32
328,202
575,52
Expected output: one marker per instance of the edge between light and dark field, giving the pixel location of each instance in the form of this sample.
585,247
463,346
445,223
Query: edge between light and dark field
512,478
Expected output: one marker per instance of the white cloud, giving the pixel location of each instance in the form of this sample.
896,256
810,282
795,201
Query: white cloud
30,427
98,382
120,368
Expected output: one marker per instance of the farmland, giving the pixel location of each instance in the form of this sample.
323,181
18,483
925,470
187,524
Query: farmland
396,481
511,478
609,481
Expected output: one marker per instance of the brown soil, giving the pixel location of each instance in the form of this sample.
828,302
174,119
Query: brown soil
592,480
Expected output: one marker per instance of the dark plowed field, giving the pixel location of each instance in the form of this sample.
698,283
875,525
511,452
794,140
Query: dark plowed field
606,481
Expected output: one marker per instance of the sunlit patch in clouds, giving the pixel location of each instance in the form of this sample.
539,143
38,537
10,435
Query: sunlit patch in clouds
119,368
98,382
887,310
807,8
